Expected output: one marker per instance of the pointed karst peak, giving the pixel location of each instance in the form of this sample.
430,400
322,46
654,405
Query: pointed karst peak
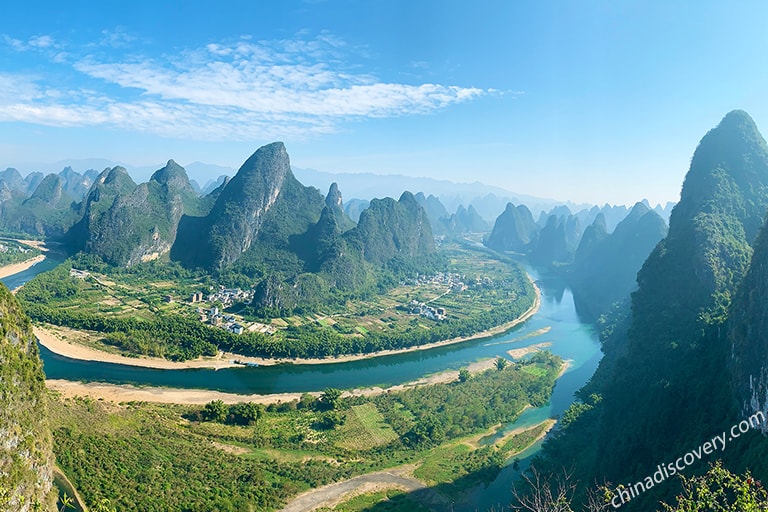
640,209
599,222
333,199
407,197
730,162
268,164
737,119
171,173
729,146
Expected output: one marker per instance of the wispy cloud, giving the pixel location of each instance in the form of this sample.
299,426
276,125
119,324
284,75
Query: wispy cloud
238,89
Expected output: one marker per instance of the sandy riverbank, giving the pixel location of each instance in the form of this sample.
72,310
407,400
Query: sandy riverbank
129,393
15,268
54,342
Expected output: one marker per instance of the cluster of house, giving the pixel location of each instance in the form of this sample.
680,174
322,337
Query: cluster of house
422,309
79,274
5,248
453,280
226,297
214,317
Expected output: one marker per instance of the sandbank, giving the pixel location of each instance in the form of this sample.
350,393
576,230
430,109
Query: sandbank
15,268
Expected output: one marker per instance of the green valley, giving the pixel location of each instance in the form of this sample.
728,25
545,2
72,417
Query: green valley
143,309
172,456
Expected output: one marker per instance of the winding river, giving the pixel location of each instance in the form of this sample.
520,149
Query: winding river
556,323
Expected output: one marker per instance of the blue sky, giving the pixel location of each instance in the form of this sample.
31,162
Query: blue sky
594,101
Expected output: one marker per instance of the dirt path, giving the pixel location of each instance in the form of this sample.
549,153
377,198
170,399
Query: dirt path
331,495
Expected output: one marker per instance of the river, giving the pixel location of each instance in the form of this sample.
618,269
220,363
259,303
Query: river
556,322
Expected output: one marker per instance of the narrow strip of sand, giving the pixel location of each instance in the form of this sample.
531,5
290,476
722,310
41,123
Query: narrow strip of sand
15,268
56,344
55,341
130,393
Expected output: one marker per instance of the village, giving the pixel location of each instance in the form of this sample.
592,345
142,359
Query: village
218,318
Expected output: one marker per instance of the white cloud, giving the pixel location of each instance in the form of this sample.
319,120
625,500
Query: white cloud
242,89
41,42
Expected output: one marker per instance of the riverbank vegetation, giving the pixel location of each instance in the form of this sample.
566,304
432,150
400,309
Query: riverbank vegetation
12,252
146,309
242,457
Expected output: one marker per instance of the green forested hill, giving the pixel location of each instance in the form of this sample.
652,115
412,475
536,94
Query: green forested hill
85,234
140,224
663,386
514,230
605,268
254,216
26,456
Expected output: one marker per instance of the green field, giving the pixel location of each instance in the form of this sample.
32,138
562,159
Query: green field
174,457
365,428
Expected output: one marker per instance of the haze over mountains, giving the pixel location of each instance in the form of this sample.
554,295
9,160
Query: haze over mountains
488,201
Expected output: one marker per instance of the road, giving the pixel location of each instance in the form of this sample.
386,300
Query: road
331,494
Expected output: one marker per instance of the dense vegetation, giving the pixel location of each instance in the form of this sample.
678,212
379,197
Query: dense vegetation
57,298
26,460
205,458
664,384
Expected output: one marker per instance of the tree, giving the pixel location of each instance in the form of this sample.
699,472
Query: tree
719,490
554,493
464,375
306,401
247,413
330,397
501,363
215,410
104,505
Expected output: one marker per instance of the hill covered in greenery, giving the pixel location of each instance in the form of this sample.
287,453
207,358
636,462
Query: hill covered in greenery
133,223
26,454
605,266
664,384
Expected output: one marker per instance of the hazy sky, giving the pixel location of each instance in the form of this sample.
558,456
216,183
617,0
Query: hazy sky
597,101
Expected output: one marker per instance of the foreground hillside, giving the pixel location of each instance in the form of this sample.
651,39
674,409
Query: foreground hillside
250,457
26,456
672,376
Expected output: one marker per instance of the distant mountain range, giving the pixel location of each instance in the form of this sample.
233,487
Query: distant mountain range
488,201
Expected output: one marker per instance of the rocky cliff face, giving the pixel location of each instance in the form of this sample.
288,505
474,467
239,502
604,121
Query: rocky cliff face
262,203
26,453
748,334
